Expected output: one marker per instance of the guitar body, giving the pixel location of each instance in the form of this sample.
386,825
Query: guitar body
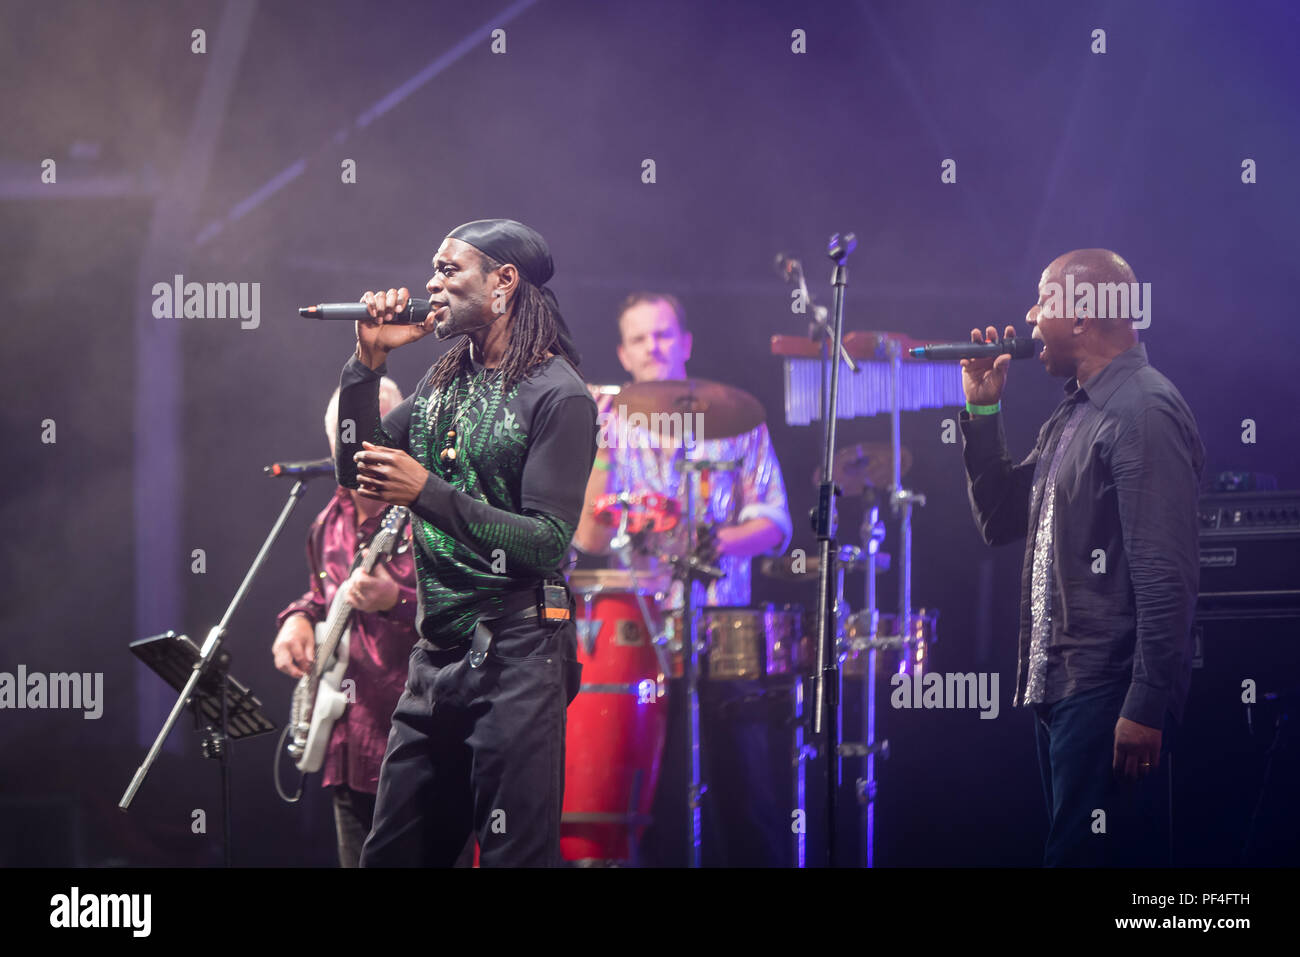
318,700
330,702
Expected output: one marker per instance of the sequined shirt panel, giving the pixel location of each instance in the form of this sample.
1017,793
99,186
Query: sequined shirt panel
755,490
1124,556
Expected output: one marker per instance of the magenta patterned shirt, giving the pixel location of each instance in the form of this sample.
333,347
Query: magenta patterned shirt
379,646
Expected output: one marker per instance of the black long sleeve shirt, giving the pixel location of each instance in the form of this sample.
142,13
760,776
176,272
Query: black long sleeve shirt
501,514
1125,558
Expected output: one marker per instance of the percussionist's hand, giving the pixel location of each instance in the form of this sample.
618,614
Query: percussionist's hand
388,475
708,546
378,337
984,379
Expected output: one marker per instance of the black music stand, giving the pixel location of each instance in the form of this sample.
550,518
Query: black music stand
224,708
200,665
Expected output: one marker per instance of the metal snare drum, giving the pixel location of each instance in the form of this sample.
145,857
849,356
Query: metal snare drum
904,653
746,644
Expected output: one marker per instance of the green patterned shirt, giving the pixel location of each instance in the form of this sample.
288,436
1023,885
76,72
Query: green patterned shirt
498,516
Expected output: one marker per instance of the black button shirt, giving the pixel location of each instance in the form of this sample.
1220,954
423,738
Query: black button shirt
1124,549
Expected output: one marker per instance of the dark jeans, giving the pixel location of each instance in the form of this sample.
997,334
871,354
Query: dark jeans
1076,747
745,763
354,812
478,750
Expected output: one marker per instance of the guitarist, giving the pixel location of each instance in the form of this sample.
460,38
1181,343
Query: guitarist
383,631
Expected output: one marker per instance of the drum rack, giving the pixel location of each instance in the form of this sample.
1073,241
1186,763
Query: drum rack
883,383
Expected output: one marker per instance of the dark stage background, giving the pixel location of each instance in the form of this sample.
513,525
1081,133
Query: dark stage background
225,166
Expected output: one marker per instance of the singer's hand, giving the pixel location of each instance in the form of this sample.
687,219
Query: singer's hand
377,338
1137,750
388,475
984,379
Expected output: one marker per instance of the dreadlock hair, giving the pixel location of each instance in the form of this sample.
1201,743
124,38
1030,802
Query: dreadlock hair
536,330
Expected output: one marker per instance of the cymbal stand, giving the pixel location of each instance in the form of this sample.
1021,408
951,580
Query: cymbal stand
873,534
689,570
621,547
901,501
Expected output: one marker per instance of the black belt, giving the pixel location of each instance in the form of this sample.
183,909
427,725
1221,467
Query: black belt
519,606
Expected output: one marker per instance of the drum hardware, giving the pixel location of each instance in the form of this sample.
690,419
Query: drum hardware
782,567
621,547
763,643
645,691
862,466
863,634
689,573
856,749
881,383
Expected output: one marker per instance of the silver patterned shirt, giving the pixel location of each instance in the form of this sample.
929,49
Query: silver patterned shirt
755,490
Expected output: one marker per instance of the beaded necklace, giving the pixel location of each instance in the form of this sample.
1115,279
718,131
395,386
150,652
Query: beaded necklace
448,455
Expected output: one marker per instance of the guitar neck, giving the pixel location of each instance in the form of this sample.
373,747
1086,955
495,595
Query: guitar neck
341,609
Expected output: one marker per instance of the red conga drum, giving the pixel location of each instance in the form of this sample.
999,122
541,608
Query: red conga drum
616,724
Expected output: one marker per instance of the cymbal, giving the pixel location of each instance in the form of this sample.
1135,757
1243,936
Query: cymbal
785,568
723,410
865,465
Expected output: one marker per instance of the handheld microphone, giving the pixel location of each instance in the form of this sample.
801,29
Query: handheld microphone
416,311
952,351
303,470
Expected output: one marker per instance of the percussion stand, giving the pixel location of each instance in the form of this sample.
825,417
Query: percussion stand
873,534
621,547
690,570
901,501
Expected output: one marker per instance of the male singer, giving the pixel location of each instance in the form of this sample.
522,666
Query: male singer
1106,503
491,454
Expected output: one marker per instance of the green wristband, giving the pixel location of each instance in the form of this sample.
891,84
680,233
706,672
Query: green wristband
984,409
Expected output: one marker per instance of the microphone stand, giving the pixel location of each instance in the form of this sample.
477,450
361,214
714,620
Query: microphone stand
826,679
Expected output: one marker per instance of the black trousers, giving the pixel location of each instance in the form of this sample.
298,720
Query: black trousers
478,751
354,813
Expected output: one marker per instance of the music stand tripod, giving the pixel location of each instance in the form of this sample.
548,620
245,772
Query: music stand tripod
197,665
224,708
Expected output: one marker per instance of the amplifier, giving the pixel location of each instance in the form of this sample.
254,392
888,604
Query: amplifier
1250,555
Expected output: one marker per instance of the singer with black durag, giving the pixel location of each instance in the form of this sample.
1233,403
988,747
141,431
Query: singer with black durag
491,453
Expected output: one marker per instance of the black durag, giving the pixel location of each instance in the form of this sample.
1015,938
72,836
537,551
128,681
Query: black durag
508,241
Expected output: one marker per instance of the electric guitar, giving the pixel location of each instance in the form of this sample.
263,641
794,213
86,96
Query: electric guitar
318,701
